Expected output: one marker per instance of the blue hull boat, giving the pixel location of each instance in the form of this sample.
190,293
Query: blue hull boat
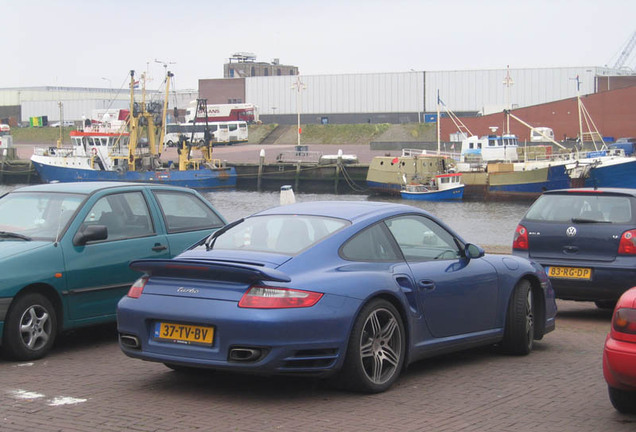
219,178
456,193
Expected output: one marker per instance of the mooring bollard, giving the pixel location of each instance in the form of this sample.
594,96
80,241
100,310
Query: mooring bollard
287,195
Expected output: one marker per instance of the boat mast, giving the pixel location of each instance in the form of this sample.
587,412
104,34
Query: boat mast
133,124
584,115
438,123
169,76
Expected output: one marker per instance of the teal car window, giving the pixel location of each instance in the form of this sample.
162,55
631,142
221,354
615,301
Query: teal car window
125,215
186,212
41,216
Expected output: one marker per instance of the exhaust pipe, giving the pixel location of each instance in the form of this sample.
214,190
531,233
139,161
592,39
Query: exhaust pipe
242,354
129,341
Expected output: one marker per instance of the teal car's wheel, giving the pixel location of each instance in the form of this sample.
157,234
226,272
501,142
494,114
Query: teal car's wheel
30,328
376,350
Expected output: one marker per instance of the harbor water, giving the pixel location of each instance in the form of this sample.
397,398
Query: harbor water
488,224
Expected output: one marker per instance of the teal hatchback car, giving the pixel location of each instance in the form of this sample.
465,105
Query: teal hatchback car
65,250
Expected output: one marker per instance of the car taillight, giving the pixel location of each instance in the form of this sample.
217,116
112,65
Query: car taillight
627,245
263,297
625,320
520,241
138,287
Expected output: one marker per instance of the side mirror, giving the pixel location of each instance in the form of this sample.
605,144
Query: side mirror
473,251
90,233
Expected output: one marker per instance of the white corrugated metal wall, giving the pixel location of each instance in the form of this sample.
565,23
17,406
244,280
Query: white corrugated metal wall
417,91
73,110
359,93
474,90
80,102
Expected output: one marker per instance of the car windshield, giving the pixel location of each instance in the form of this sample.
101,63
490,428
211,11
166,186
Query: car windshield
286,234
588,208
36,215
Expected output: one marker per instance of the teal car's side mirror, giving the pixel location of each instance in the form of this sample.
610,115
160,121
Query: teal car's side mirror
90,233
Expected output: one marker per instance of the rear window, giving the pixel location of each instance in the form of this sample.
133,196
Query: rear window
286,234
584,208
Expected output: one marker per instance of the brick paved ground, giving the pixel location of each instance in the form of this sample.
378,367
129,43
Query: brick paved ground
87,384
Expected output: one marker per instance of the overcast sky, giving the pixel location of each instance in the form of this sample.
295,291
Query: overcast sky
94,43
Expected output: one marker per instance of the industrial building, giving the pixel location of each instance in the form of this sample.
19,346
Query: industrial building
399,97
18,105
406,97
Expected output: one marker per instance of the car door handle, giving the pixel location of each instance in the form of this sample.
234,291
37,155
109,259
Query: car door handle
158,247
427,285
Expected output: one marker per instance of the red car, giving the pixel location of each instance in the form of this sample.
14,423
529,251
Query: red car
619,355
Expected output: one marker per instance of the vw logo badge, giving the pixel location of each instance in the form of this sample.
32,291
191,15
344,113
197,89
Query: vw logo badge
570,232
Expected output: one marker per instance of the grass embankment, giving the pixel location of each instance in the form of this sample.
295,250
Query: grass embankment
342,133
315,134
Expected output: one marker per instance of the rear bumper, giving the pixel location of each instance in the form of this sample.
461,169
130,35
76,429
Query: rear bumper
619,364
300,341
606,283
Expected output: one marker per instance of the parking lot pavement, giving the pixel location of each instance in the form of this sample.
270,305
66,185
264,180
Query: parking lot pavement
87,384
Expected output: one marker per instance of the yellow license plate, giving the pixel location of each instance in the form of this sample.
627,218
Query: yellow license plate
184,333
570,272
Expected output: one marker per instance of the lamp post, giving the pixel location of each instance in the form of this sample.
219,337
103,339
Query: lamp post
298,86
508,82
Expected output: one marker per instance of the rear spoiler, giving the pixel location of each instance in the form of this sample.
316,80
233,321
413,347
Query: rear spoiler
215,270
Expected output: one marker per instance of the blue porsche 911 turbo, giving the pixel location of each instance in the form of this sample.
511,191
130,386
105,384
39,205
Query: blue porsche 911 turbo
357,289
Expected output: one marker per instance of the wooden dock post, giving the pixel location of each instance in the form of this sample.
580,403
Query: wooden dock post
338,168
297,179
261,161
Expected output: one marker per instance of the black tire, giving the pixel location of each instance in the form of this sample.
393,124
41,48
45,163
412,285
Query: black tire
377,340
170,143
519,330
624,401
30,327
605,304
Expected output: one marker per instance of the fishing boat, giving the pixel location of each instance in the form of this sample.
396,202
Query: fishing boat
128,149
443,187
388,175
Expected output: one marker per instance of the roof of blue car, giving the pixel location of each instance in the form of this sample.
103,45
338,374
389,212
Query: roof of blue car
349,210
